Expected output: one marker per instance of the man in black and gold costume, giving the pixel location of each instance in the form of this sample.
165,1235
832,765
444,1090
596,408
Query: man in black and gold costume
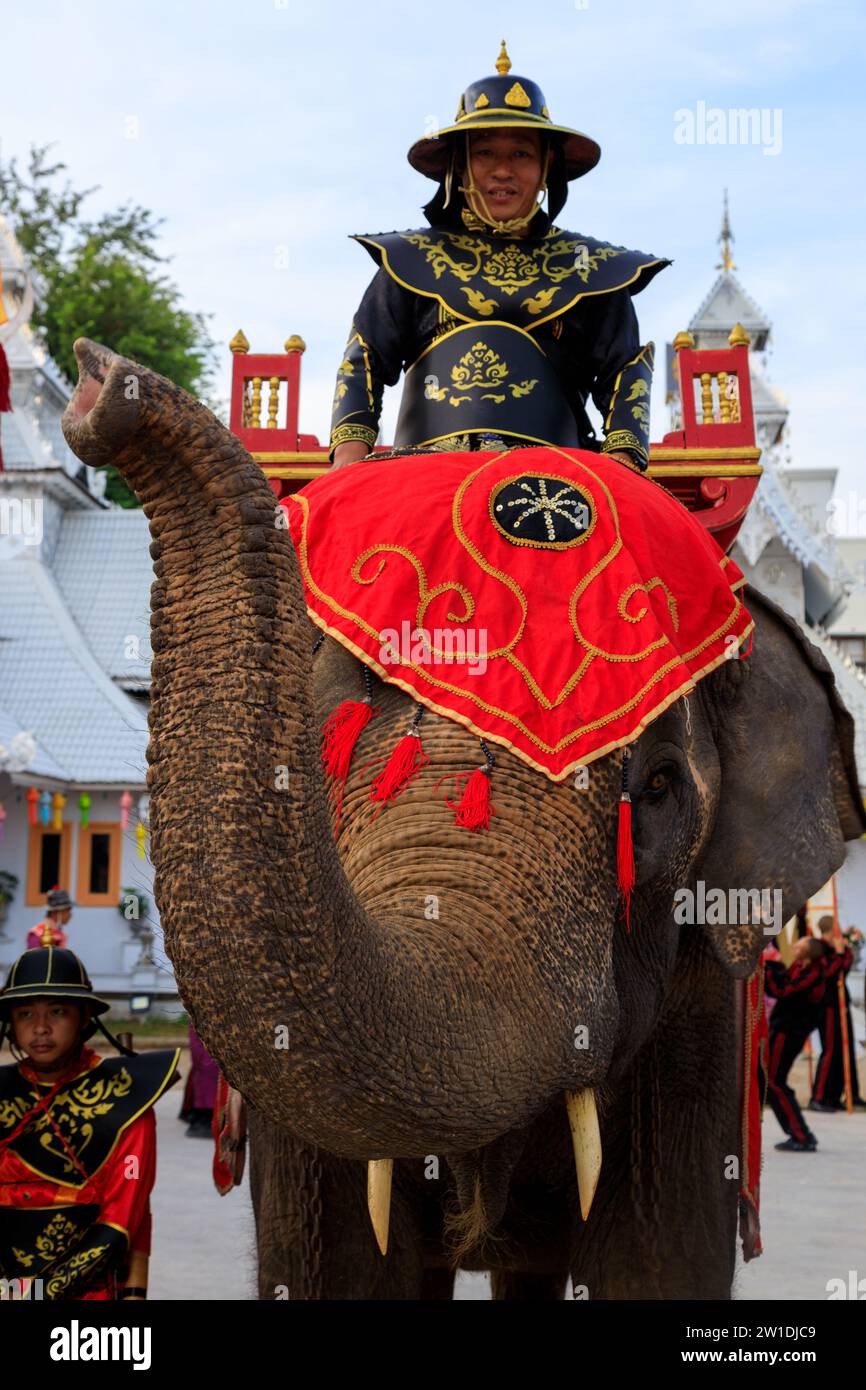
503,323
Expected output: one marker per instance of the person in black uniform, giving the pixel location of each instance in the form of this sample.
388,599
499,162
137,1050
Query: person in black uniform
504,324
799,992
827,1092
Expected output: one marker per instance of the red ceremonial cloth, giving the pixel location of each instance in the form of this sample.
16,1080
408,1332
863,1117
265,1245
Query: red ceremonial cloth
552,600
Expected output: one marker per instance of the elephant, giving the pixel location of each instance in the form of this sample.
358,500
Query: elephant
359,1030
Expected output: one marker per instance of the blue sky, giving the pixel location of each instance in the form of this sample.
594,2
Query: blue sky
264,133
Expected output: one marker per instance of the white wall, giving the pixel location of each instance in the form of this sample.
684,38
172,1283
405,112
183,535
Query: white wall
99,935
851,887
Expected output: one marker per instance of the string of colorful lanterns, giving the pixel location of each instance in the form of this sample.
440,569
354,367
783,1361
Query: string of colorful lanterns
46,808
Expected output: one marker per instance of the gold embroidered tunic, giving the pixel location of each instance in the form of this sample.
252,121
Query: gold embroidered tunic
499,336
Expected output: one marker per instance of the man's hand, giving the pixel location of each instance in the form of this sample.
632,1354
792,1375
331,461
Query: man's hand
350,452
622,457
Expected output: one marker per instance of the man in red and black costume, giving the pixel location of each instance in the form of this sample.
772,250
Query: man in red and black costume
77,1139
827,1092
799,992
504,323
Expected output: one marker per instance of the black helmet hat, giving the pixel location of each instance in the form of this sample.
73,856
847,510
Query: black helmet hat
49,972
505,100
59,900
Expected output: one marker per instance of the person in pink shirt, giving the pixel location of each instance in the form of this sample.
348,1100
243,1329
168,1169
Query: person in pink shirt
49,932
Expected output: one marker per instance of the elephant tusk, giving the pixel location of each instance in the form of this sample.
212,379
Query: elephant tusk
586,1138
380,1171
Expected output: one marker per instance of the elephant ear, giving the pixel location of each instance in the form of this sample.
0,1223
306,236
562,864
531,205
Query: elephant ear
789,796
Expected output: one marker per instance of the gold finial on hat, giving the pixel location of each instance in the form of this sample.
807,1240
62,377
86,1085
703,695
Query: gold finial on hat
503,62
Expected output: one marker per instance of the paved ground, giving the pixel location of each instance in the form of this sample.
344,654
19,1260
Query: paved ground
203,1244
813,1214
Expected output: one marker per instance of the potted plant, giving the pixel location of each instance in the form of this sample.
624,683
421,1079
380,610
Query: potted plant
8,884
133,908
853,936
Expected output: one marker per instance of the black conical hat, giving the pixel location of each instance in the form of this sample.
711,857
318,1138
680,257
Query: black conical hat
49,972
504,99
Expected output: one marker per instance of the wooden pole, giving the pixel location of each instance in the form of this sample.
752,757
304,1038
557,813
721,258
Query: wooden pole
843,1011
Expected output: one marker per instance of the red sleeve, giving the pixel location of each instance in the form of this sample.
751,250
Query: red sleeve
123,1188
129,1179
802,976
837,962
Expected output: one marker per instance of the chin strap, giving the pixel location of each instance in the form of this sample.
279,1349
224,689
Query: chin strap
477,214
115,1042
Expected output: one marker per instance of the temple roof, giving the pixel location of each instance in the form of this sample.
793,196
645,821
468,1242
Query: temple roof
18,748
52,685
103,570
74,592
726,304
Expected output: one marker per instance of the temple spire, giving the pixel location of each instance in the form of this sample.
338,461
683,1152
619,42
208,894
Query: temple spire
725,237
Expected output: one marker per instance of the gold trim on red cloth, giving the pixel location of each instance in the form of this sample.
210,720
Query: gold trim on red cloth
585,644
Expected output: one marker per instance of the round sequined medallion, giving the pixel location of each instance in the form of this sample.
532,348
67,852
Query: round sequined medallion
542,510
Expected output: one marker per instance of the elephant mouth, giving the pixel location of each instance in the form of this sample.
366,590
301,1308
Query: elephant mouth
480,1210
94,363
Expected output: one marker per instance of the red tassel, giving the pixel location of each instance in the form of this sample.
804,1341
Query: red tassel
342,730
474,808
5,402
625,856
405,762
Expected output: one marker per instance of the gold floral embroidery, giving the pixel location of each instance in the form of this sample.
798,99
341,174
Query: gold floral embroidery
511,268
426,595
56,1237
628,594
11,1111
346,371
481,369
59,1283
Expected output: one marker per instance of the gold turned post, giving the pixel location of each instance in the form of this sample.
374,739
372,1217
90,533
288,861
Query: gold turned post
256,403
707,398
724,399
273,401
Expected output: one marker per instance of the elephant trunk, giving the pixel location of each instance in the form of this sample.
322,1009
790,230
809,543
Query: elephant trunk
364,1036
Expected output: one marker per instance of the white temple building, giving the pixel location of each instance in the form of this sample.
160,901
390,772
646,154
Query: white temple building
75,576
789,545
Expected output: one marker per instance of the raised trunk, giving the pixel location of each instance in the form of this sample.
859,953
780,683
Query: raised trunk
365,1038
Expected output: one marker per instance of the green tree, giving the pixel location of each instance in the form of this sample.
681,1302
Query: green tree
101,280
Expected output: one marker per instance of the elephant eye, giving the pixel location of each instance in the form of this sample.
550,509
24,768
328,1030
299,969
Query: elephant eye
657,784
